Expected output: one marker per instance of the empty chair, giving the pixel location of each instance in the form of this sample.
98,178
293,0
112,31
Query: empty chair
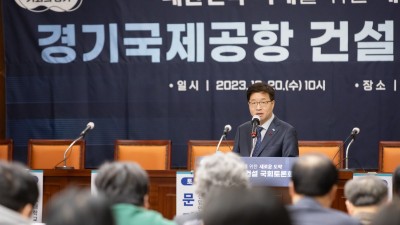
49,153
332,149
198,148
149,154
6,149
389,156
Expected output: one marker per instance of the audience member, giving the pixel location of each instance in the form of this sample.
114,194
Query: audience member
244,207
220,170
18,194
126,185
78,207
313,189
388,215
396,184
364,197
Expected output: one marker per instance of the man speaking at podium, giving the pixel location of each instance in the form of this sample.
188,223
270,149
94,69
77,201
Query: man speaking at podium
265,135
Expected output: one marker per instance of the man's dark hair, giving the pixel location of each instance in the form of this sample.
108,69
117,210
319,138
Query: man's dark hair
18,187
78,207
239,206
396,182
123,182
314,175
261,87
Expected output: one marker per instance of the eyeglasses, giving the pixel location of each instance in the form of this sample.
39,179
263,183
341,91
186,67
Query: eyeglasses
262,103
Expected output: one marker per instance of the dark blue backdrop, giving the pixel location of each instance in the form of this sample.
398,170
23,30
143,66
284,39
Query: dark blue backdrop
54,87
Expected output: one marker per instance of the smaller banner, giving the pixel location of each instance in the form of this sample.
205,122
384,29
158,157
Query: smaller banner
269,171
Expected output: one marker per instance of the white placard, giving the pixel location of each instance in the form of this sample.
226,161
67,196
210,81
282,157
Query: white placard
186,199
38,208
386,177
93,188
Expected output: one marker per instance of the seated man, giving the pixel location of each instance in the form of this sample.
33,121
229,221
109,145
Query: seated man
388,215
364,196
126,185
313,189
78,207
18,194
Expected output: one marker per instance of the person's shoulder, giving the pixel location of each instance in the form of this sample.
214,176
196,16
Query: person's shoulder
154,217
282,123
345,218
302,212
136,214
245,124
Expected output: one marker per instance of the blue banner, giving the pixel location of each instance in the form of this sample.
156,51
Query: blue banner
269,171
178,70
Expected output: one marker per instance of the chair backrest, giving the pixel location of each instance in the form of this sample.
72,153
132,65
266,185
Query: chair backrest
149,154
332,149
389,156
198,148
6,149
49,153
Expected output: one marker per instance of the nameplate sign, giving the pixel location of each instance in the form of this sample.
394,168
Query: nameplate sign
187,201
269,171
385,177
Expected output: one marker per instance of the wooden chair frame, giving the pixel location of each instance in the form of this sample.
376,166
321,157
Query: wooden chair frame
166,143
322,144
57,142
382,146
190,165
10,148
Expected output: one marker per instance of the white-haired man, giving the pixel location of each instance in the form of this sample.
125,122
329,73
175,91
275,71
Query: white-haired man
220,170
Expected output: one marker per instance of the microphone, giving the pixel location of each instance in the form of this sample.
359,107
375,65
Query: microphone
89,126
255,121
227,129
355,131
353,134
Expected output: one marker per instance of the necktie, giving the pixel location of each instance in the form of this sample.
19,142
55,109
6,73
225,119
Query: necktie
258,143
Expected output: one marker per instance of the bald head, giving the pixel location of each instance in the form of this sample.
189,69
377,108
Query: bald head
314,175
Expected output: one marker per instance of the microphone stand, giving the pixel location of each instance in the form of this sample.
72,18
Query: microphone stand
220,141
65,167
347,155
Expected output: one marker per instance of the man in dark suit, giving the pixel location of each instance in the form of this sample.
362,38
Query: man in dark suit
276,138
313,189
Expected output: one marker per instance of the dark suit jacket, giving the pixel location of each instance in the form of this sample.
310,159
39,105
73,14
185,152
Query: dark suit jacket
307,211
279,141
